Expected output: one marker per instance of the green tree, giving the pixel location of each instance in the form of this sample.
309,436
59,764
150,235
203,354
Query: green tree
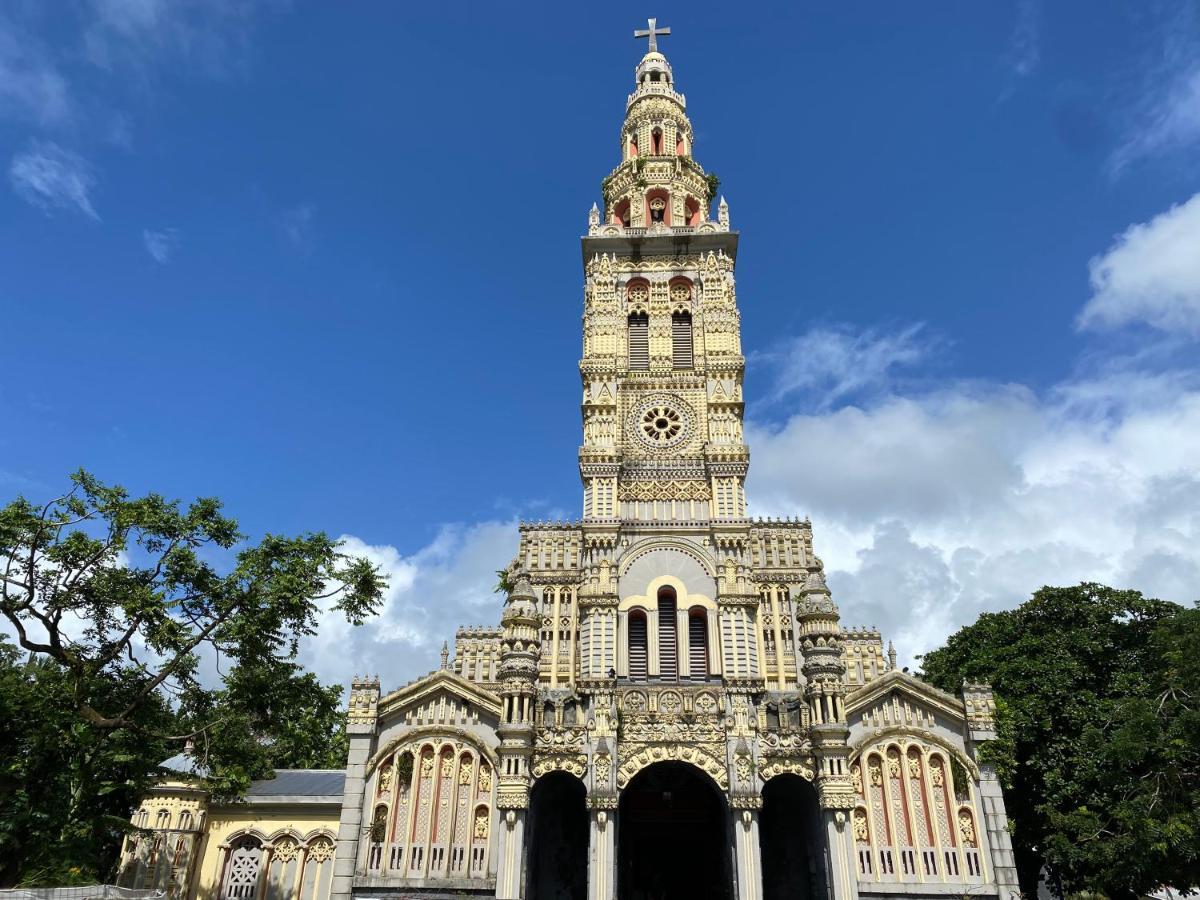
1094,721
117,602
66,788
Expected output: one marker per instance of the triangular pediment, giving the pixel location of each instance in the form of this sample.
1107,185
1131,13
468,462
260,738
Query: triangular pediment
440,697
897,698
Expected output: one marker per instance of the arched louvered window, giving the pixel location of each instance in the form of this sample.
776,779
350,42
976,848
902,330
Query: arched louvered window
637,645
698,643
639,341
668,635
681,340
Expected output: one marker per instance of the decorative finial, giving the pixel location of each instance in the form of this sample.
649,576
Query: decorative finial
445,654
891,656
723,213
594,215
651,32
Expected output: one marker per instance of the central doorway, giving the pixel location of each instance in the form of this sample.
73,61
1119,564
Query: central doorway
791,840
673,836
557,862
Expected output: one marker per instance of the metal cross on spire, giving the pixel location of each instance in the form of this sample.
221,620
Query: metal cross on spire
652,32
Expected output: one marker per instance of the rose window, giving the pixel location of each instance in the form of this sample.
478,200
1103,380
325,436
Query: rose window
661,424
680,292
638,293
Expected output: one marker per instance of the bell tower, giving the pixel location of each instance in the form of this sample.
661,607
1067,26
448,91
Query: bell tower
662,365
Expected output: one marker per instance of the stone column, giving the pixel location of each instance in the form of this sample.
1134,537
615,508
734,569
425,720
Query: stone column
602,847
360,731
510,873
747,854
1004,867
840,863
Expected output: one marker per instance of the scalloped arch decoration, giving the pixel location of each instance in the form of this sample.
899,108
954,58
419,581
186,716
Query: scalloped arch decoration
684,753
439,737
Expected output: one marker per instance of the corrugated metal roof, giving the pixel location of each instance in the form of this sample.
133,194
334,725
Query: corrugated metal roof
185,764
325,783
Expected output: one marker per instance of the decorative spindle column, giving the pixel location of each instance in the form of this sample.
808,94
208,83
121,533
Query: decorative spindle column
520,648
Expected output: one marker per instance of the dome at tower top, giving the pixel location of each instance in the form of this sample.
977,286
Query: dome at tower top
522,601
653,68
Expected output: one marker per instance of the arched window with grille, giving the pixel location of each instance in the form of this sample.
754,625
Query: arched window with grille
638,650
639,341
242,869
698,643
681,340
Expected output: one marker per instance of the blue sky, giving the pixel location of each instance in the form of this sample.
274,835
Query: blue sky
321,261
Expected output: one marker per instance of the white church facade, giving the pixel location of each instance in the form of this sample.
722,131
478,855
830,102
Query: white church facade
669,706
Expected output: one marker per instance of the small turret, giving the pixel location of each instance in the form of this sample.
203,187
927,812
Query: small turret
824,669
520,649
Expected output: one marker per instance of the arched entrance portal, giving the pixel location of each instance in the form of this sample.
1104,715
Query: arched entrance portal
673,836
556,867
792,841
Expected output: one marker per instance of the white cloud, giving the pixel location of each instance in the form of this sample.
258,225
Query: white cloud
161,245
933,506
212,35
1164,116
1169,122
1024,50
31,85
1151,274
49,177
830,363
443,585
297,224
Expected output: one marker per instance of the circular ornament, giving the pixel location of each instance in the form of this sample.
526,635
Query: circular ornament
661,422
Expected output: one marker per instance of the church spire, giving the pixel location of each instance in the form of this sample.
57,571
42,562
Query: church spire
658,184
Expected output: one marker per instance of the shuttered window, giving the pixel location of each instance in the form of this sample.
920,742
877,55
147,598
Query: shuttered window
698,644
637,646
668,637
681,340
639,341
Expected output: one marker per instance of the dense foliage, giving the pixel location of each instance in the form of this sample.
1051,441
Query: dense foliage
130,640
1098,709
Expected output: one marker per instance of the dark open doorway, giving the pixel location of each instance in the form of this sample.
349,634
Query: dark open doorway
556,867
792,841
673,836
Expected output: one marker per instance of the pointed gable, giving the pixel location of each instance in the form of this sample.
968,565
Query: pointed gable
898,699
439,698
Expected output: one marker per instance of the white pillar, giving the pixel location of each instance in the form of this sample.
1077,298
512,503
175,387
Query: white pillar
602,855
747,854
350,822
510,873
840,860
995,825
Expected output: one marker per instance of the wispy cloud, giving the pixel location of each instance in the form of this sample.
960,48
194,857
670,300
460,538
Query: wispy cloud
212,35
297,225
1165,116
162,244
1025,46
31,85
830,364
1151,274
52,178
